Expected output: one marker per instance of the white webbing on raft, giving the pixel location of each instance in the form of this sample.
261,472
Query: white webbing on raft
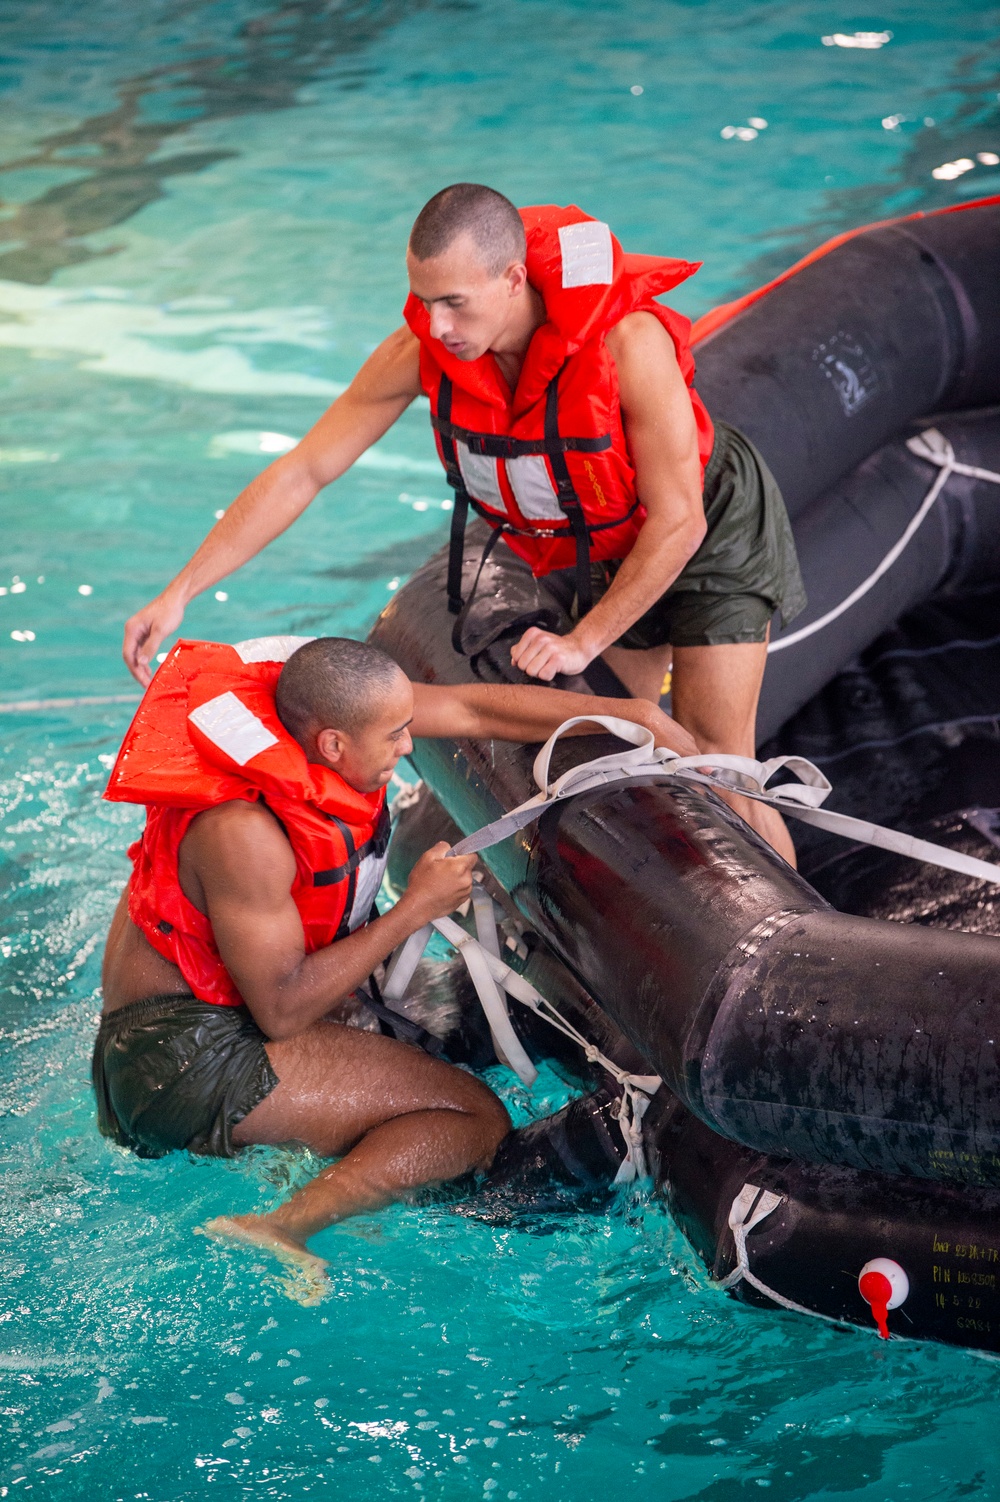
730,774
935,448
492,978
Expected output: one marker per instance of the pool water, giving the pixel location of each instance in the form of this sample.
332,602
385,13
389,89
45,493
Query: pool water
205,209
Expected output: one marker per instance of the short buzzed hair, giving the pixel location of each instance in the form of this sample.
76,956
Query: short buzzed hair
491,220
333,683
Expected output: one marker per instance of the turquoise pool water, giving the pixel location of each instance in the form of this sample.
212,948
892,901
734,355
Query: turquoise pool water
205,207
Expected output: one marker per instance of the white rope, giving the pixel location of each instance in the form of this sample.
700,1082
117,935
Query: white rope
406,797
935,448
749,1208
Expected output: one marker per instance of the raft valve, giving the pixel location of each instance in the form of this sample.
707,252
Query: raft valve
884,1285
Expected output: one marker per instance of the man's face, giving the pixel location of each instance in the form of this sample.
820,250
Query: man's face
468,307
367,758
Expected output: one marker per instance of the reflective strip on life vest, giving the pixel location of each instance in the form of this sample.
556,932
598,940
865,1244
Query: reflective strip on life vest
270,648
529,479
481,477
228,724
533,489
587,254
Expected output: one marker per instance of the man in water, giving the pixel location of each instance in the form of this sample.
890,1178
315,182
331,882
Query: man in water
524,328
247,927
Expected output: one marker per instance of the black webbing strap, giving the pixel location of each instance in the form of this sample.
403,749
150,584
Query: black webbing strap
334,875
460,512
504,446
458,630
569,501
350,870
459,518
394,1024
501,446
376,846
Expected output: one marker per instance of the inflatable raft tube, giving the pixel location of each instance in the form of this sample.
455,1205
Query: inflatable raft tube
781,1023
909,734
876,329
815,1228
879,543
827,369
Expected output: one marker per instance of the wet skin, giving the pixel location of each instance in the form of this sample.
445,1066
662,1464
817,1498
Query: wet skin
397,1119
474,312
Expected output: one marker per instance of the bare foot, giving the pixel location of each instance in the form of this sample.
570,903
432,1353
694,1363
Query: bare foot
307,1284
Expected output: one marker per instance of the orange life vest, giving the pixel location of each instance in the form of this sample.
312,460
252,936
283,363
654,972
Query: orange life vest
206,733
548,465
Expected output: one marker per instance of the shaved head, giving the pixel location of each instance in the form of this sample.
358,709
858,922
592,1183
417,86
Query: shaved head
334,683
488,218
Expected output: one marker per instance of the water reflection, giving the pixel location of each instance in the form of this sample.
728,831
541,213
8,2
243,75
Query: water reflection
117,153
925,175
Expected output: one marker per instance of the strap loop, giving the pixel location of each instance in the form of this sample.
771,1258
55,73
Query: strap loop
740,774
749,1208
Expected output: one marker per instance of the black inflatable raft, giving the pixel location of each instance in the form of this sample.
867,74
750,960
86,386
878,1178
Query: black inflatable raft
828,370
843,1066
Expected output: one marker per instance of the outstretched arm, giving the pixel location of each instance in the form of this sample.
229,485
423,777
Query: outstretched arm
663,441
383,388
237,867
525,712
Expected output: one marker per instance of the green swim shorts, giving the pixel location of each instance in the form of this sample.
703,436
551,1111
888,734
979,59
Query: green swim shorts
744,571
173,1072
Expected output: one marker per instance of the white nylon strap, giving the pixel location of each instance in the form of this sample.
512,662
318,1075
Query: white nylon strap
486,933
477,960
403,963
733,774
935,448
491,978
481,972
788,799
485,919
637,1089
644,758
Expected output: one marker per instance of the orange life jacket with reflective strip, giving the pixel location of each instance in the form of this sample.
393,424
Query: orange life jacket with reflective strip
548,465
206,733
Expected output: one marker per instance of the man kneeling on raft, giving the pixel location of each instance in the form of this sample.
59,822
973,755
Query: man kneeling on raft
248,926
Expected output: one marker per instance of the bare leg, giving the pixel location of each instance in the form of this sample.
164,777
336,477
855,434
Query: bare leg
714,696
398,1119
642,673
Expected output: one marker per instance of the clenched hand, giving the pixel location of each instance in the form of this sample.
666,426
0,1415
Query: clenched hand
439,883
542,655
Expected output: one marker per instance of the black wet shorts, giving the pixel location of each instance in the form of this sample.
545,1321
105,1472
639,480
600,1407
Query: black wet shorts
744,571
174,1072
